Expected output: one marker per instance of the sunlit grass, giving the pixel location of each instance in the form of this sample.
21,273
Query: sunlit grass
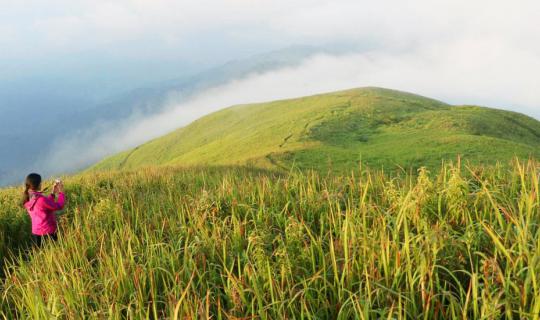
239,242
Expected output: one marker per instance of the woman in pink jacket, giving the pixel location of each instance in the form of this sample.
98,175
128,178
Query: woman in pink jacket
42,208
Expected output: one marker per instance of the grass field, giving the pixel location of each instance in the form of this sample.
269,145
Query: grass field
243,243
335,131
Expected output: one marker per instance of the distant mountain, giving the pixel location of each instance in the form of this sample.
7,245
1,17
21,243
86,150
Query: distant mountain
153,98
336,131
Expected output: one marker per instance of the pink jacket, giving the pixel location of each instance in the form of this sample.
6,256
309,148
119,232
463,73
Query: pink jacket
41,210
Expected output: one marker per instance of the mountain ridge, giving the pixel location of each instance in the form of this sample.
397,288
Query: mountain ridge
334,131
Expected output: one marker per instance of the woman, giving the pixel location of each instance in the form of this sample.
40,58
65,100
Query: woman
42,208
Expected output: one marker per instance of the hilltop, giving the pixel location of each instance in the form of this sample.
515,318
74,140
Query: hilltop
335,131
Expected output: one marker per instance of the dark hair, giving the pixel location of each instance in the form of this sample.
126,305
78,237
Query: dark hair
33,181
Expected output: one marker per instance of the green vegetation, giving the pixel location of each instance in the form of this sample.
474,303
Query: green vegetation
312,208
243,243
380,127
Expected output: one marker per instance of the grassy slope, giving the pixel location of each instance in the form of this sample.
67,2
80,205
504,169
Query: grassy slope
234,243
336,130
167,242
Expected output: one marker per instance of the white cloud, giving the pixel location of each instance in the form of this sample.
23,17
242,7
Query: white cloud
64,25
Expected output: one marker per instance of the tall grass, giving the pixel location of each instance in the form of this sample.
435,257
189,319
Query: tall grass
241,243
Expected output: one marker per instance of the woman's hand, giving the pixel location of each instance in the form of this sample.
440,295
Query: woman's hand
58,187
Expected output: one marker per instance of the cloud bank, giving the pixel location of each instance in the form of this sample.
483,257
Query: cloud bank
129,28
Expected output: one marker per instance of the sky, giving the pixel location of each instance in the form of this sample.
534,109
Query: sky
461,52
95,42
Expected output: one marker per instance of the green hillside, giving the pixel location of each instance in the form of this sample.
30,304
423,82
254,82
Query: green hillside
240,242
335,131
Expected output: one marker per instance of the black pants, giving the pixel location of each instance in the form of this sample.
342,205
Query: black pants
40,240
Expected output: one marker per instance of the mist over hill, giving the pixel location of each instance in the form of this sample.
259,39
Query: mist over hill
72,133
37,124
70,70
